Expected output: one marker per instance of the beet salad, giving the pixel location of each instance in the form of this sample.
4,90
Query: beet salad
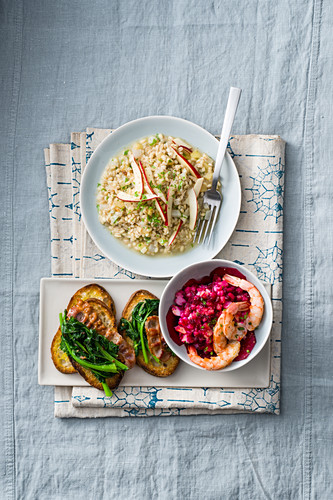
216,314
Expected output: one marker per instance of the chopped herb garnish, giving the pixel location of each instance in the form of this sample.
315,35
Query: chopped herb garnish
97,206
98,184
126,152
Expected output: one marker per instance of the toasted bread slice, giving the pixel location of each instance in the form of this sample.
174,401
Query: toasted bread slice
93,291
59,357
162,369
106,316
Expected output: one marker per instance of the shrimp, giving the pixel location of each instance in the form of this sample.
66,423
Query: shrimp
219,339
256,301
227,326
223,359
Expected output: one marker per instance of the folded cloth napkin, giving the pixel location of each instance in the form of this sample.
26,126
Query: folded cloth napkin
256,242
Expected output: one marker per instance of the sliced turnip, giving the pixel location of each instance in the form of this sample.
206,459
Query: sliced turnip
187,164
138,178
197,186
176,310
173,236
193,203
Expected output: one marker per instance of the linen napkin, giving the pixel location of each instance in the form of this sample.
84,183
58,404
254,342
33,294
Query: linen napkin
257,242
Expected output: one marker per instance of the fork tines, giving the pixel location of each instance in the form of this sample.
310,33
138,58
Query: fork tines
203,225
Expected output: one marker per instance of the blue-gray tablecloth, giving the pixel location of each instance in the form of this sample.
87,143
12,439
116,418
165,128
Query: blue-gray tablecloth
65,65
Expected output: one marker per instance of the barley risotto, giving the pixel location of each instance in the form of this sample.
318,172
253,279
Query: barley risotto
151,194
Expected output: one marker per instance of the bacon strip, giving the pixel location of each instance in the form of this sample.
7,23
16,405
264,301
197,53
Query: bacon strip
156,342
126,352
85,313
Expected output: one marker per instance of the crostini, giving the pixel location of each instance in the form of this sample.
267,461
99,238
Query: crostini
91,342
140,327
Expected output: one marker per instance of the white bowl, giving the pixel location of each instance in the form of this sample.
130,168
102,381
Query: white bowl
115,143
198,271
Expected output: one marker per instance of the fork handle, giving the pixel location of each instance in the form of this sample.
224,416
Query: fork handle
233,100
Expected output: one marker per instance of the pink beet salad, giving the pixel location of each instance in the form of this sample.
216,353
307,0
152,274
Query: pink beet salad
197,307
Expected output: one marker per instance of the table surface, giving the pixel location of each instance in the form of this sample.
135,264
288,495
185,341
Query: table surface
68,65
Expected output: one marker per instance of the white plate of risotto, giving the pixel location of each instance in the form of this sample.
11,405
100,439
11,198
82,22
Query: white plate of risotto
142,195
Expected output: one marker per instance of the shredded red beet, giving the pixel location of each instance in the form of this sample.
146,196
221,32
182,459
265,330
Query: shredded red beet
196,308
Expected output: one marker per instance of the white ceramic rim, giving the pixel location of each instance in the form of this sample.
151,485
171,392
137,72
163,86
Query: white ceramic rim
181,350
163,271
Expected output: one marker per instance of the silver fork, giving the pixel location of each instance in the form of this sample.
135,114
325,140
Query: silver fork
212,197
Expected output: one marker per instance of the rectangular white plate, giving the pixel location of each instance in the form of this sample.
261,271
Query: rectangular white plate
55,294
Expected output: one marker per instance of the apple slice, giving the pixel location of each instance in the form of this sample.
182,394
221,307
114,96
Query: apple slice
169,204
127,197
149,196
161,195
186,164
130,198
161,211
145,179
138,178
193,203
147,185
173,236
197,186
182,144
148,178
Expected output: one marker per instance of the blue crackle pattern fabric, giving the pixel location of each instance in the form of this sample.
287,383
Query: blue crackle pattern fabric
68,64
